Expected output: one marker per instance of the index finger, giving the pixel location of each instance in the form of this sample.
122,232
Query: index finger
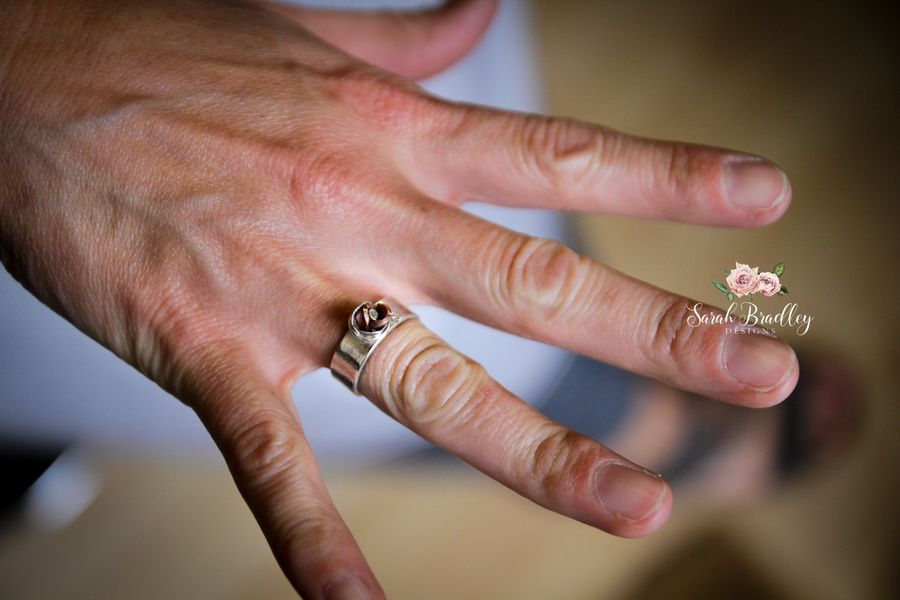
474,153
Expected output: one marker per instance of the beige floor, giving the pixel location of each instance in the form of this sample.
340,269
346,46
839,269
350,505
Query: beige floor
815,90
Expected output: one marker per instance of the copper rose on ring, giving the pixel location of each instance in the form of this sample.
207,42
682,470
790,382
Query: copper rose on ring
371,317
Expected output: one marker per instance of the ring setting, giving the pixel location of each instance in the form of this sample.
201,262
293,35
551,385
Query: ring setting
367,326
370,318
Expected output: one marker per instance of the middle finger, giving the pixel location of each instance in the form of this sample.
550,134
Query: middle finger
543,290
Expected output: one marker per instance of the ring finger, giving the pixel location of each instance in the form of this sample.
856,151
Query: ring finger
418,379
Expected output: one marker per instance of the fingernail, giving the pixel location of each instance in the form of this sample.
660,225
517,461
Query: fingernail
758,360
628,493
751,182
348,588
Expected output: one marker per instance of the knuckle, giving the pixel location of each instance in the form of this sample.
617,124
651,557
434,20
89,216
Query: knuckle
324,187
266,448
561,460
309,528
439,385
161,330
376,96
676,177
540,279
317,179
560,153
671,338
685,172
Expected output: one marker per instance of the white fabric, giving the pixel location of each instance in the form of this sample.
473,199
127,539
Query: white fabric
58,385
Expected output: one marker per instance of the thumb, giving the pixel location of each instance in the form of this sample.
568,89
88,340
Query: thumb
413,45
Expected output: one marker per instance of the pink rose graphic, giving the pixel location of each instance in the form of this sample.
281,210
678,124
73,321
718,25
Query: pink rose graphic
743,280
768,284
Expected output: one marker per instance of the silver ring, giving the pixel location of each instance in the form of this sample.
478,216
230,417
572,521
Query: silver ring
370,323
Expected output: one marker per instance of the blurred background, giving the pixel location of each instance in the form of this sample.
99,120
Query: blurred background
813,86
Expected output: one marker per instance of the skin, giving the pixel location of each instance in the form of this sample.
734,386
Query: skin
209,188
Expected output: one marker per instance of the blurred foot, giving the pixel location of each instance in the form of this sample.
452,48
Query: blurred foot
730,454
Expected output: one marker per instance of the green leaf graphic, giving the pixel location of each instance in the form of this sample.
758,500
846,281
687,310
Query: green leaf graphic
783,291
730,297
779,269
720,286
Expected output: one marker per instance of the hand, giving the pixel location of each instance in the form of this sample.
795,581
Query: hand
208,190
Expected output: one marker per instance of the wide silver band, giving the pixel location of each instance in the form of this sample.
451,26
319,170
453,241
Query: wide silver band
358,344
